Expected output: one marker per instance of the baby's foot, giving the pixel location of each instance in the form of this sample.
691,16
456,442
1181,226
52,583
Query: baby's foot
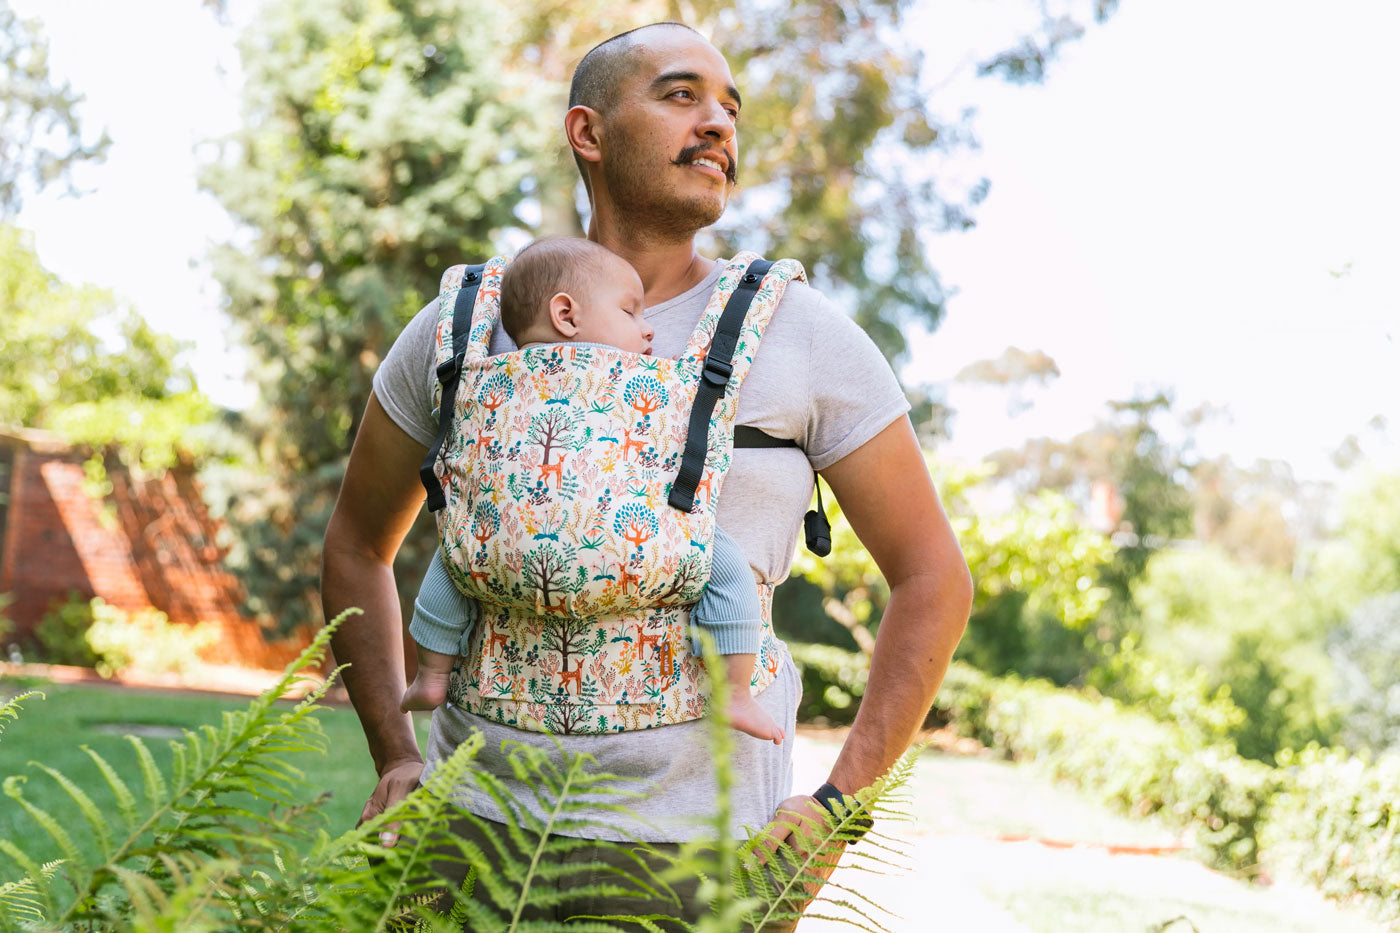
748,717
428,690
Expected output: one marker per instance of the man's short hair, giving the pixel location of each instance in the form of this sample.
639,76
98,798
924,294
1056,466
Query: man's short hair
542,270
599,73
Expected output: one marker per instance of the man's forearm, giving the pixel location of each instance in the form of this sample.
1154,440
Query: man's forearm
372,644
921,626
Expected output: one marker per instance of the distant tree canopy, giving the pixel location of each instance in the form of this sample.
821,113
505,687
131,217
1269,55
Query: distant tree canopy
74,360
40,137
383,142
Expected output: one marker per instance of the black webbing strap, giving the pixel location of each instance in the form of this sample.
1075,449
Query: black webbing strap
449,373
713,378
748,436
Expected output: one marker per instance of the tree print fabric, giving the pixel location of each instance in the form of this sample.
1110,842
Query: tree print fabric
556,474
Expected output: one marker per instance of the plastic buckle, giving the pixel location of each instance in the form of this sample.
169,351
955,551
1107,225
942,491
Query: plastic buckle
717,372
449,369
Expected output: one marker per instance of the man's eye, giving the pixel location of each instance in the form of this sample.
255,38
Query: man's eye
683,91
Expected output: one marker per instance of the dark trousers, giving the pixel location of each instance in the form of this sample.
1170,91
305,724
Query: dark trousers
610,859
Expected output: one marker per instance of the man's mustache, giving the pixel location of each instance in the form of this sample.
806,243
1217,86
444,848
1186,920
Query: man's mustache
691,153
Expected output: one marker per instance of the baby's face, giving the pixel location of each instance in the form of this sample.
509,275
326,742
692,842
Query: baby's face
610,312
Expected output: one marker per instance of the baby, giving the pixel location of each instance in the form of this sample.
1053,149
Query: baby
568,290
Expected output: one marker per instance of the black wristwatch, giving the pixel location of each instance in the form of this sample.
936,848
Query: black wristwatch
857,826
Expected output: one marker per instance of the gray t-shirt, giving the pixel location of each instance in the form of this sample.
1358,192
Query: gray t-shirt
817,378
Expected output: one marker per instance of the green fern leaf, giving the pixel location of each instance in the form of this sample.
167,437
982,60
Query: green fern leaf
156,791
71,853
96,819
9,710
126,803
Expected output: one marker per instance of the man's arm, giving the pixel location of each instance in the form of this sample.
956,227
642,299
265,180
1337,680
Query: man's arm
379,498
887,494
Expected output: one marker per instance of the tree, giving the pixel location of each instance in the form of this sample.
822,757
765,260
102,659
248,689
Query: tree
383,142
77,361
1150,475
40,137
1038,558
1366,654
380,144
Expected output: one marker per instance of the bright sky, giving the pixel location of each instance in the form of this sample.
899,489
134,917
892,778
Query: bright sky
1168,209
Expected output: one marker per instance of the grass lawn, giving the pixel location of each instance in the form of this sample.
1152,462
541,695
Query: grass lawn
52,731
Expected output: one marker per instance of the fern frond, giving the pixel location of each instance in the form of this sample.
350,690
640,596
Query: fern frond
809,856
20,901
186,901
9,710
190,817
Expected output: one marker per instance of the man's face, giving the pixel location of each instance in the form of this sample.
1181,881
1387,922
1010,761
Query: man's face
670,149
610,309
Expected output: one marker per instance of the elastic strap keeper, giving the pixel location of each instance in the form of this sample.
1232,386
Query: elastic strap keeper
857,825
449,373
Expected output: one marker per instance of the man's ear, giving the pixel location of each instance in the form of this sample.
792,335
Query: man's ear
583,126
563,315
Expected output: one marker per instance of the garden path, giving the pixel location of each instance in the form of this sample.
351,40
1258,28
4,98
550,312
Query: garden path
996,848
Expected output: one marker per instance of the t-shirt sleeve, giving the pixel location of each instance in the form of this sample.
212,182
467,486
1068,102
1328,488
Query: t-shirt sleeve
854,393
404,381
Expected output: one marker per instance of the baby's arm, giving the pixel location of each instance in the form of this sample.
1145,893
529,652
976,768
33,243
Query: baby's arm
442,617
728,608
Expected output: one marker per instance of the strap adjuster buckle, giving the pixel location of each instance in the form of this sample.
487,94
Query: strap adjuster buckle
717,372
450,368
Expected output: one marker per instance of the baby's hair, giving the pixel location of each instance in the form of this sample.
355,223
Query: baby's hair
542,270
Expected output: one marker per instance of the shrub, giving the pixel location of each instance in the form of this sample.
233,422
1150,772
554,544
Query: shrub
62,633
146,641
1337,824
833,681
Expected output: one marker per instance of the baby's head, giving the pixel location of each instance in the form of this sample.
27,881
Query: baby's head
567,289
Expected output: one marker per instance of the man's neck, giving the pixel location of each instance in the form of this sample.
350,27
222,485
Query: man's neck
667,268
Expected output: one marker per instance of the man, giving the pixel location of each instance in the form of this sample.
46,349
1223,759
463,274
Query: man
652,123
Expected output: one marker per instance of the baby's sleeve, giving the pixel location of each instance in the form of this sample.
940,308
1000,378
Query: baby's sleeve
443,616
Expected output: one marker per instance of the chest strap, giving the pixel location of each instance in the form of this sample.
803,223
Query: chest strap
449,373
719,364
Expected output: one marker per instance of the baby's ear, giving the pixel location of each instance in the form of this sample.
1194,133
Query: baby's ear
563,315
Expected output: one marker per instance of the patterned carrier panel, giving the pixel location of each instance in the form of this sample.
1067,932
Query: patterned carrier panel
556,473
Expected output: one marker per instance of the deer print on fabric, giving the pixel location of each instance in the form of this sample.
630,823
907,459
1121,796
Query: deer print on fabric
557,473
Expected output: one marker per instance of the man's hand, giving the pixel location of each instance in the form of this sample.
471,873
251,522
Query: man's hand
397,782
800,817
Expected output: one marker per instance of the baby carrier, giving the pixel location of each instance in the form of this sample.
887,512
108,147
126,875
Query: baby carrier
574,489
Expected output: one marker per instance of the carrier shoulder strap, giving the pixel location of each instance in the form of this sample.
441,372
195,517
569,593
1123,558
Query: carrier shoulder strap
449,373
713,379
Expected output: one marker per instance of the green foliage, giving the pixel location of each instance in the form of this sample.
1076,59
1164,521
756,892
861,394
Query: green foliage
38,117
381,144
146,641
833,681
1149,474
1254,629
1336,825
1365,652
77,362
1035,569
224,841
9,710
62,633
1169,692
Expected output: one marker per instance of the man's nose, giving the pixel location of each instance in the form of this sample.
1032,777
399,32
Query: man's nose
715,122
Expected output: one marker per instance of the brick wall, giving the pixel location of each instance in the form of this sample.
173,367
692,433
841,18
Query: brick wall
151,543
